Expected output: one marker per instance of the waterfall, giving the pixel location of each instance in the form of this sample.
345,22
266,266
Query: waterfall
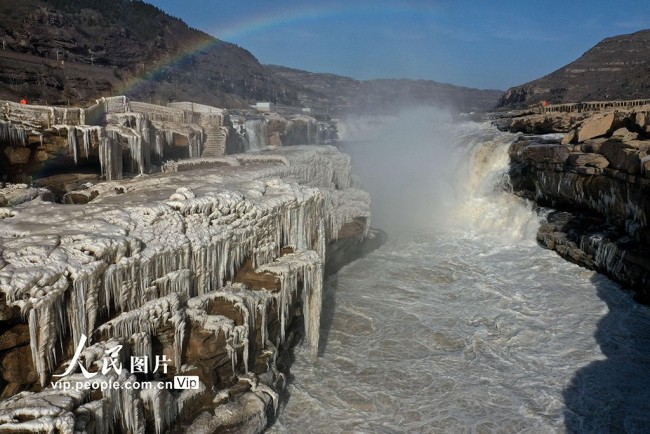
482,203
256,135
426,171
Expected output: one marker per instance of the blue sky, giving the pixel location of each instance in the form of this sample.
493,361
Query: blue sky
480,43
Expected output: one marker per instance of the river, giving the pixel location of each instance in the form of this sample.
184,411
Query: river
461,322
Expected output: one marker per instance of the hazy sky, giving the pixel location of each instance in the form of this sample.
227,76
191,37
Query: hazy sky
476,43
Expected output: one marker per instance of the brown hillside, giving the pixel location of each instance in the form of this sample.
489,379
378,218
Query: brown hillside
616,68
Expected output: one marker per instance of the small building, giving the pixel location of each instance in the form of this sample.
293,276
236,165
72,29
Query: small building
265,106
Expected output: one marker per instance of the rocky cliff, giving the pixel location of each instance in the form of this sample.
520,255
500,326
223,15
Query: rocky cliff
73,51
213,273
597,179
616,68
63,148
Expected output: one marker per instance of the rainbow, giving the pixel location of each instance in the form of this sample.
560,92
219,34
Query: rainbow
283,18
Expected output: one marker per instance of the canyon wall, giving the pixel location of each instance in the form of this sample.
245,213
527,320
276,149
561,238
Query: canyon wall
597,178
215,270
117,137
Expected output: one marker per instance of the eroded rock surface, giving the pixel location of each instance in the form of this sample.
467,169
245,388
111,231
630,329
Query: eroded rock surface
217,270
599,177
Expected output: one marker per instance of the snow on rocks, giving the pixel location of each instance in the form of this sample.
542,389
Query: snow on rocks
151,260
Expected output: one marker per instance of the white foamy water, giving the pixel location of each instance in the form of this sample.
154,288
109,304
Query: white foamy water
465,324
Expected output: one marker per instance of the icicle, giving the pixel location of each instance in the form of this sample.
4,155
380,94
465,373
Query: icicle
237,337
161,404
188,396
149,317
110,158
159,145
47,324
307,266
72,143
142,347
95,415
186,246
13,135
87,139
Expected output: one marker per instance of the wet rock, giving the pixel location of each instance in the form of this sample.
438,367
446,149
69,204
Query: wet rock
554,154
587,159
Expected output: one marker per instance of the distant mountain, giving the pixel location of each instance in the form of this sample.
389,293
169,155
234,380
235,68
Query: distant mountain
74,51
344,94
616,68
123,46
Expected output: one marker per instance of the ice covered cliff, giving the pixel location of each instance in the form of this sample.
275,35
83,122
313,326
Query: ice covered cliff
217,268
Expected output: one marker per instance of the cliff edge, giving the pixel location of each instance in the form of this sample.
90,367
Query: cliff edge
208,276
596,180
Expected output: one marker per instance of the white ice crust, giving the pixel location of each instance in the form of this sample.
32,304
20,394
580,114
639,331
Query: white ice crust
157,251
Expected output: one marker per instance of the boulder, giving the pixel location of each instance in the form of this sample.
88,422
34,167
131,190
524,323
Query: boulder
80,197
622,157
14,337
580,159
592,145
624,135
18,154
570,137
597,126
542,124
641,145
550,154
17,367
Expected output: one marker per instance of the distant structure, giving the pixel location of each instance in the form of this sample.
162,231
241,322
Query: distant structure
591,106
265,106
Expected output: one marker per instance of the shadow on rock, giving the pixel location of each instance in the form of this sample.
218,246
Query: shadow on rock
613,395
339,254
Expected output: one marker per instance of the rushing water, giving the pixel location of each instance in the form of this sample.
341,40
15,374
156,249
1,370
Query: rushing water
465,324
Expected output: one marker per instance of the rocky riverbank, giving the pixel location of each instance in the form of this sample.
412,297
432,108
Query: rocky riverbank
213,273
594,170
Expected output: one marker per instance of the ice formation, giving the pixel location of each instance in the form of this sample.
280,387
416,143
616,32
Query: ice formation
14,135
256,134
138,132
156,255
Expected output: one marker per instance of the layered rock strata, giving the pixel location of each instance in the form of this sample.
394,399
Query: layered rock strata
117,137
598,176
216,271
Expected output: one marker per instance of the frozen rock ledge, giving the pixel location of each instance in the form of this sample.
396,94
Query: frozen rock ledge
215,271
